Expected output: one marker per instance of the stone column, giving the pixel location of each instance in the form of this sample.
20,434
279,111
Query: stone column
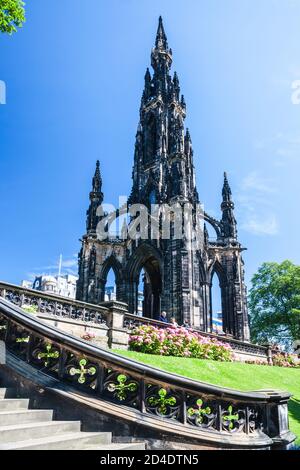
117,334
206,288
278,420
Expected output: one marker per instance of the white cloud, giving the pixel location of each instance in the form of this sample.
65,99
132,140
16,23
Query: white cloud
256,206
255,182
263,226
284,147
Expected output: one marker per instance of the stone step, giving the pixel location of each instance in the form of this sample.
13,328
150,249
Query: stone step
6,392
17,432
70,441
8,418
24,429
9,404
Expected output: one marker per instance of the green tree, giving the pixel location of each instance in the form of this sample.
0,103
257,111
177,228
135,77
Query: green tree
274,303
12,15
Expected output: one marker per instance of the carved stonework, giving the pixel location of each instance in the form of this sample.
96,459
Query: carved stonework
178,278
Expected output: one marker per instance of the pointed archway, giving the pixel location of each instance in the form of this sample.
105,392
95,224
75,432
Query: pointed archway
145,281
111,273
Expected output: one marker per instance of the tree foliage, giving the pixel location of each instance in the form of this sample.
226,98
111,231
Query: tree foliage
274,303
12,15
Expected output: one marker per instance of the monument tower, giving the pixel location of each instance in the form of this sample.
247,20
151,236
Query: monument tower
177,277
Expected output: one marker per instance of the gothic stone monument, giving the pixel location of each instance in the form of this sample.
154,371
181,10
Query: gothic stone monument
177,277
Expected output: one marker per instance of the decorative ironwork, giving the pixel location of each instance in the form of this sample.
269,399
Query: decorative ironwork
232,420
254,420
200,414
84,371
24,339
130,384
162,402
47,354
122,388
54,305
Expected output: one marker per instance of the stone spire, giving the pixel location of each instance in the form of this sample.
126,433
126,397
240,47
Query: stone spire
161,61
226,191
96,199
228,220
161,41
161,143
97,180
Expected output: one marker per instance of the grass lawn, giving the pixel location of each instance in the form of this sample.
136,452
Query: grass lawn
234,375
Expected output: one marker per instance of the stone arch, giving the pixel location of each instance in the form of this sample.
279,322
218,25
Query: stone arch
218,270
214,223
111,263
146,257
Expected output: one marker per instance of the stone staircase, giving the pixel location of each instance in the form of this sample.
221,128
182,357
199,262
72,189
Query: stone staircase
22,428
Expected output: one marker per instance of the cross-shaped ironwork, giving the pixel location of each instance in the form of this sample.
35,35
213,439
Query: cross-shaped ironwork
121,388
199,412
82,372
49,354
162,401
22,339
230,418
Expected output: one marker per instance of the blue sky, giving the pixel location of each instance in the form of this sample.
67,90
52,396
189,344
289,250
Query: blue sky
74,77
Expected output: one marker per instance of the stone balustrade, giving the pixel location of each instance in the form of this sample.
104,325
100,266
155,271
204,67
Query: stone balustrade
109,321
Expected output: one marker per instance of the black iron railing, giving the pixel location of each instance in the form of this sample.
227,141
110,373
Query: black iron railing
250,419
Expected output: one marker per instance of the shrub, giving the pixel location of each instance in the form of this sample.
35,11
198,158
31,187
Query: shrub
30,308
257,362
286,360
279,360
178,341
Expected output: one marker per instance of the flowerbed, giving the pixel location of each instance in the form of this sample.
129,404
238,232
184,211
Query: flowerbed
279,360
286,360
178,341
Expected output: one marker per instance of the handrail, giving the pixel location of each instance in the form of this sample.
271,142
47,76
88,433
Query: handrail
208,408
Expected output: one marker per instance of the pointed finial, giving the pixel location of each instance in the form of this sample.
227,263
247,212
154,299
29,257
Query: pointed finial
176,79
228,221
161,55
97,180
188,135
226,192
147,75
147,89
161,38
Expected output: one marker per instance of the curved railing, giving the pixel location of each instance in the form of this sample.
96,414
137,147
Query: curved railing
253,419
